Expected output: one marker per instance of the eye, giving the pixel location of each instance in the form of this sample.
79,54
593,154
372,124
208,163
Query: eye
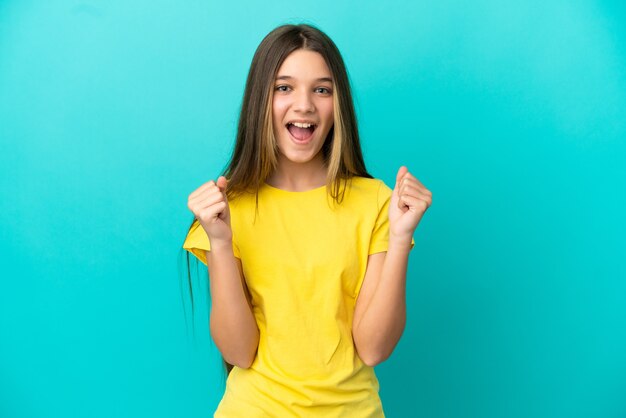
323,90
282,87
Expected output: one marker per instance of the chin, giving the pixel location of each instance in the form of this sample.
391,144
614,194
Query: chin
293,151
299,158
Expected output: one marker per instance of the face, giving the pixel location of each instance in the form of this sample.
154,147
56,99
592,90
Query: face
302,107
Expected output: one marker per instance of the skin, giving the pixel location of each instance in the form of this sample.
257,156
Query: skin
303,90
232,324
380,311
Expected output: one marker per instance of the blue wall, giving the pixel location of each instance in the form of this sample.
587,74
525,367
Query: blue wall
512,113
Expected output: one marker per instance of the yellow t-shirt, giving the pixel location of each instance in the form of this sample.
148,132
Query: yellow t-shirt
304,260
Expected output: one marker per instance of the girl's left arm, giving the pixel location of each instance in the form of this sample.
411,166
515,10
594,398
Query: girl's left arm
380,311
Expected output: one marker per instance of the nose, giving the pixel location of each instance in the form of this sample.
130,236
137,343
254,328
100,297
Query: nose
303,102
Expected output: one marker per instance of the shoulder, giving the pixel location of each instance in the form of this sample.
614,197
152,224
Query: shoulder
371,188
365,183
241,200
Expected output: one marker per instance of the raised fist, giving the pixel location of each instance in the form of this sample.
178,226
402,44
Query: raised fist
210,206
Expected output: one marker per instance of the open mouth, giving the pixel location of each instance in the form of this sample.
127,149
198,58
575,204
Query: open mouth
301,131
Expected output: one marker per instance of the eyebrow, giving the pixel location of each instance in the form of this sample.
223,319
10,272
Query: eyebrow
288,77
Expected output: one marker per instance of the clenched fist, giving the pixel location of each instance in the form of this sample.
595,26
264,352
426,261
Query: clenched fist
409,202
210,206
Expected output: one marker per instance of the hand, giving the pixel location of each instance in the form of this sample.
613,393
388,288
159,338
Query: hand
209,204
409,201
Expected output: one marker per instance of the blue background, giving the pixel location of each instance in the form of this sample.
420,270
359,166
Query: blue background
511,113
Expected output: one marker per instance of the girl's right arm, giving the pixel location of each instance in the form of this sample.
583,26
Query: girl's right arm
232,323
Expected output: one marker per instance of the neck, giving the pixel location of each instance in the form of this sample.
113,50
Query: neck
298,177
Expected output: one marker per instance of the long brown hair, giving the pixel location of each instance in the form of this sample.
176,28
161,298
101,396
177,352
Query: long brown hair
255,154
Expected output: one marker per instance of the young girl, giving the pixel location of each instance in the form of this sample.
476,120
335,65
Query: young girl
306,252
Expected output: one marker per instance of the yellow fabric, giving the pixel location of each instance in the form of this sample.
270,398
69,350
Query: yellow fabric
304,260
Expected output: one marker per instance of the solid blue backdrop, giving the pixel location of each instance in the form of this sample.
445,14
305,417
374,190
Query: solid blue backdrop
511,113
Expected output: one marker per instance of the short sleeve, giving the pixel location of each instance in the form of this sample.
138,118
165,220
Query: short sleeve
197,242
379,241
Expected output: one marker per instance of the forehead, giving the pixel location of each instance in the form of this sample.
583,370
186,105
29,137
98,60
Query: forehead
304,65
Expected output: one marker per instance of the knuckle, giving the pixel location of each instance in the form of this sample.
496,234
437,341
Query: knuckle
205,215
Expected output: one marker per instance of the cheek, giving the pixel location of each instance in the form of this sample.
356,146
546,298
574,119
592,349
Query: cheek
279,107
326,109
277,117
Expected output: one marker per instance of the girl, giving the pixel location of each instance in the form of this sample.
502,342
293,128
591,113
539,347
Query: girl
306,252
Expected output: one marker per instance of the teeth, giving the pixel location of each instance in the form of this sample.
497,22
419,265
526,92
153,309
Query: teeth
302,125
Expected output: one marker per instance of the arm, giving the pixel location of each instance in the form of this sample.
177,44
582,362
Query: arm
232,323
380,311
